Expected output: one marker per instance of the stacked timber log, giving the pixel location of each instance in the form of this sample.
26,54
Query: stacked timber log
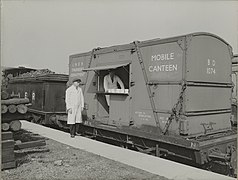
43,77
12,110
8,156
4,95
37,73
5,81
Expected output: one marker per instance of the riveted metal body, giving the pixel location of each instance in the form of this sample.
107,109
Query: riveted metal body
46,93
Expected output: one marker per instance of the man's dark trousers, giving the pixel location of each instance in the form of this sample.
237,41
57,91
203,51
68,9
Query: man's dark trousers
73,128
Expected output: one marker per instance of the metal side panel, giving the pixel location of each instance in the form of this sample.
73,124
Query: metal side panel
204,98
141,110
36,93
165,96
119,110
208,60
163,62
205,124
76,65
55,97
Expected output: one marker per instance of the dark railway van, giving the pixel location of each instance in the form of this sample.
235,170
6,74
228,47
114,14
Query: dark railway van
176,103
45,92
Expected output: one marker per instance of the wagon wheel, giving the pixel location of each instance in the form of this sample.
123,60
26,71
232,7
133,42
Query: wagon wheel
58,122
35,118
64,124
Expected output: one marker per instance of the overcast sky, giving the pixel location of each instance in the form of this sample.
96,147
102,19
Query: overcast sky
43,33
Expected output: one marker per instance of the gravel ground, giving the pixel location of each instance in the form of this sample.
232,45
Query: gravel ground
59,161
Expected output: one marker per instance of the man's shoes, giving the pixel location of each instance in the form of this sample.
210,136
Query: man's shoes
72,136
77,134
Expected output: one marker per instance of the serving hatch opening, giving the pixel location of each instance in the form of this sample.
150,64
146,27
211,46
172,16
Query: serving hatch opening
121,70
111,97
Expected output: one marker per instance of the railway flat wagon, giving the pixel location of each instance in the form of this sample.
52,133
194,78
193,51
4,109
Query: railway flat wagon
46,94
176,103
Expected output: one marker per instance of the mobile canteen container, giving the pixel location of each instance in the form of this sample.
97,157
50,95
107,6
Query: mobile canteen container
178,101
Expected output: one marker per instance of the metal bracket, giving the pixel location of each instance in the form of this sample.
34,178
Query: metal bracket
90,61
146,151
181,43
207,126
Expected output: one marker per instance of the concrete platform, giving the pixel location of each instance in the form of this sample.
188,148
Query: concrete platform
155,165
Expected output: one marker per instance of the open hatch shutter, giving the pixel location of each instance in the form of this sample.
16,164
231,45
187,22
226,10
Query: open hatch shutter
98,68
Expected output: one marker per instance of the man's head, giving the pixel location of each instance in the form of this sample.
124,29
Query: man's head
76,82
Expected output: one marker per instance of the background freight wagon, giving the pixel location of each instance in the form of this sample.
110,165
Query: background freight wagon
46,94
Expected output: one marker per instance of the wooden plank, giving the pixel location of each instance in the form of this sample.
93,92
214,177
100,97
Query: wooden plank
8,158
7,144
7,135
8,155
15,101
8,165
30,144
8,117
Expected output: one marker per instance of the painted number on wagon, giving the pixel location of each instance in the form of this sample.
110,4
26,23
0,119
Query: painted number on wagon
33,96
211,66
26,95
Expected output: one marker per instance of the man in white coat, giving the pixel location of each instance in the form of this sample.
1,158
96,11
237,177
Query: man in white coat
110,82
74,105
